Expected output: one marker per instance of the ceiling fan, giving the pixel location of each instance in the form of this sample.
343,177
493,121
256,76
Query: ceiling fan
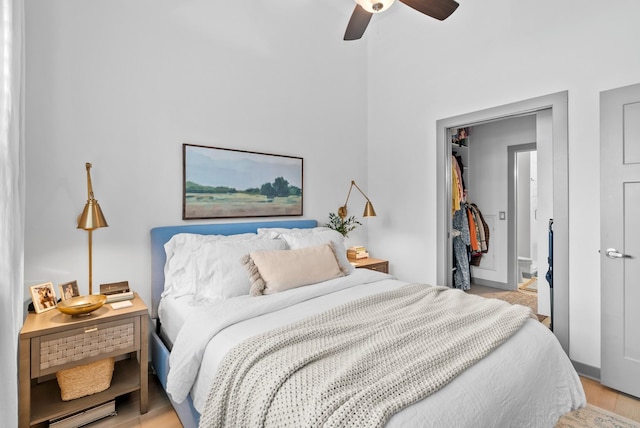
438,9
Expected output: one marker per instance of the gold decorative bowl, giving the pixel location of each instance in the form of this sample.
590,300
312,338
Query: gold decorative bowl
82,304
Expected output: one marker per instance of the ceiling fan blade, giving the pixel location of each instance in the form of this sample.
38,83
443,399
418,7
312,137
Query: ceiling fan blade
438,9
357,24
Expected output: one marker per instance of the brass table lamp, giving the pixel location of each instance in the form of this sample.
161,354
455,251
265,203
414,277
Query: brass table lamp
90,219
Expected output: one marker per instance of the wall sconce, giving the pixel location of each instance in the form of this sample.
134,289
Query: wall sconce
90,219
368,208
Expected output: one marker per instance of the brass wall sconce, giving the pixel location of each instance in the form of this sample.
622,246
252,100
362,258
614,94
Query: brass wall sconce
90,219
368,208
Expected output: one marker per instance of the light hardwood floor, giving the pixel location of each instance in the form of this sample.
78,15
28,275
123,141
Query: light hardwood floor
611,400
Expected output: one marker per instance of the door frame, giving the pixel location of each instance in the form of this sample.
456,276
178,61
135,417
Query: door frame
558,103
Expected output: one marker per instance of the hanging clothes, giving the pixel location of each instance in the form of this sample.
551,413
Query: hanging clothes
457,164
461,241
473,232
456,186
482,235
461,170
484,245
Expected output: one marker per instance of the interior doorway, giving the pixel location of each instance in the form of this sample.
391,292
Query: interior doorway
556,106
523,167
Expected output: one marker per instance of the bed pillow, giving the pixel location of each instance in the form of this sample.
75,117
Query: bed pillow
275,232
179,267
219,273
275,271
303,238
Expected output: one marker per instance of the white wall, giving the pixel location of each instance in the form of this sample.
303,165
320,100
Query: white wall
488,54
123,84
533,206
523,201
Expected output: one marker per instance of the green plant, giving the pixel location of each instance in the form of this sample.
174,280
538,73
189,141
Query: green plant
343,226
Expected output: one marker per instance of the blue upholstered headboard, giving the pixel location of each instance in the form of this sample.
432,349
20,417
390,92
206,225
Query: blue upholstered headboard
161,235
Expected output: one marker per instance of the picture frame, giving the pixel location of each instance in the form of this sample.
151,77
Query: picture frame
225,183
43,297
69,290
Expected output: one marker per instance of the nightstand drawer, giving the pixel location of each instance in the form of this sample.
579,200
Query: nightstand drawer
371,264
54,352
380,267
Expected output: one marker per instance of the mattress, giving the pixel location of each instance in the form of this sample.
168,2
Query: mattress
172,312
527,381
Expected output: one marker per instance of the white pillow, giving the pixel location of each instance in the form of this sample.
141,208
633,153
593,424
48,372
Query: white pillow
303,238
219,273
275,271
275,232
179,266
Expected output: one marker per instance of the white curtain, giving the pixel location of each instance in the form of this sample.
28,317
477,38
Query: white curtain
12,190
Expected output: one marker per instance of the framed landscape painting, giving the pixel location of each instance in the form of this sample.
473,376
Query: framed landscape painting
224,183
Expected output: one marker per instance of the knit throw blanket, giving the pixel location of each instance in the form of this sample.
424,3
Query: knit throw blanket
359,363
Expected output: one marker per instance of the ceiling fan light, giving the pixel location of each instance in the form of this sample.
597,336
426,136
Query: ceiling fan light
375,6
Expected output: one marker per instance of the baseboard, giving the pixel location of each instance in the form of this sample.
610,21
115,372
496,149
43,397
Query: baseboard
492,284
587,370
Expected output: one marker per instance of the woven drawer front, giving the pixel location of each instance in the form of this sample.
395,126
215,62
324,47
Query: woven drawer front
57,352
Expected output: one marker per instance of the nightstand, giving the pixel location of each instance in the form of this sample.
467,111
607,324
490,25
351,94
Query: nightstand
71,339
371,263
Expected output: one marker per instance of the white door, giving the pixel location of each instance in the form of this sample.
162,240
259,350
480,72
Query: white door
620,238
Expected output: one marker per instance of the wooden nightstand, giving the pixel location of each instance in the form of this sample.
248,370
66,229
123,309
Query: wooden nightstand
124,336
371,263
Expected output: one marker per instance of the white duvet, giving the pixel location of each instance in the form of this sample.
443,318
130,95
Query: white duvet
528,381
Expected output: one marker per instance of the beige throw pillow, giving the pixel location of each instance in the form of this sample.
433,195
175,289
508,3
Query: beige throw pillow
274,271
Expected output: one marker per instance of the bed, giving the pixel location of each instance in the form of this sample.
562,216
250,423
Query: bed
525,381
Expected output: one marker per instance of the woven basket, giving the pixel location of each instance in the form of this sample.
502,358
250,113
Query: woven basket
86,379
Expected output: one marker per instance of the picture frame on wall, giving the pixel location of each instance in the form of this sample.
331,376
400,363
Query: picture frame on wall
225,183
43,297
69,290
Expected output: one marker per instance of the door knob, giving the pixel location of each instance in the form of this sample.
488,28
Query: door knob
612,253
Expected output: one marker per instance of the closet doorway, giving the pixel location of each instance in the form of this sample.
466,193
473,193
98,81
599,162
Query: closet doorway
554,142
527,227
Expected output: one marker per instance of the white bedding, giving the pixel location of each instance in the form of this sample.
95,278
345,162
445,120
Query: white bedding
173,311
528,381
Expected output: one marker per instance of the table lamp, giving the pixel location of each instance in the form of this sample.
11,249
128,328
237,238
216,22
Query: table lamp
90,219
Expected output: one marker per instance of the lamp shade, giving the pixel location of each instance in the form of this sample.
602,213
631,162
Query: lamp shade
368,210
91,217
